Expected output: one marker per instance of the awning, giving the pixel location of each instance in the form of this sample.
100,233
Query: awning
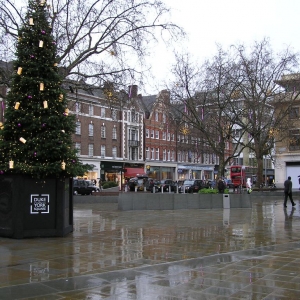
133,172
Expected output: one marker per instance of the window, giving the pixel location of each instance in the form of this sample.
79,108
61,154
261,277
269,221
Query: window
103,131
78,148
152,134
168,155
91,129
114,114
147,153
164,135
91,109
78,107
102,150
152,153
294,140
91,149
114,151
133,153
179,156
157,153
133,133
157,134
164,118
294,113
156,116
173,155
147,133
173,137
102,112
164,155
133,116
78,128
168,136
114,133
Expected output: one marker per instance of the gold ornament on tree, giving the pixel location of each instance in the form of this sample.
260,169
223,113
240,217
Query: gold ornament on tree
42,87
11,164
42,2
66,111
45,104
17,105
31,21
22,140
19,72
1,125
41,44
61,97
63,165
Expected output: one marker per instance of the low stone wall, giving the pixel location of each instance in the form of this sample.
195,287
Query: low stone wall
171,201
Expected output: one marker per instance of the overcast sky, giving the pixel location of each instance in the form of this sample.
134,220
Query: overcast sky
228,22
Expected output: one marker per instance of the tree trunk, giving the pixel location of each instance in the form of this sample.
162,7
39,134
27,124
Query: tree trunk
260,170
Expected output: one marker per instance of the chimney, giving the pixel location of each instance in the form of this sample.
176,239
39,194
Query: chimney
132,91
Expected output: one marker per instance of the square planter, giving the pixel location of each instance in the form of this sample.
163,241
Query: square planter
35,208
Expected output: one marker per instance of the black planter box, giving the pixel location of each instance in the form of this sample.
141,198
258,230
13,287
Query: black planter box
35,208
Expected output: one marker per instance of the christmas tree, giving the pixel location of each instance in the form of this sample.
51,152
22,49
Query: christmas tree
36,135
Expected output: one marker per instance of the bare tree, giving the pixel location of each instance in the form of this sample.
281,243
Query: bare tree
98,41
265,103
204,95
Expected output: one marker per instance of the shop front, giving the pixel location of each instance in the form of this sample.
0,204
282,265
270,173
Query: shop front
133,170
162,171
112,171
204,172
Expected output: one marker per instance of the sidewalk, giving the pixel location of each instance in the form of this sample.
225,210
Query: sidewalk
167,255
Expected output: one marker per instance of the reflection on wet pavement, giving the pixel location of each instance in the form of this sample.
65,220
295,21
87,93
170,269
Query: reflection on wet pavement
184,254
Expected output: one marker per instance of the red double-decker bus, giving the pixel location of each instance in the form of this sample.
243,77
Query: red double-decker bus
239,175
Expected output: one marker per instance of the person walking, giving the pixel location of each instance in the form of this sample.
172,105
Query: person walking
249,185
221,186
288,185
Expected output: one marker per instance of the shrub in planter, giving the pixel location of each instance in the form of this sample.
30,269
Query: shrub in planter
212,191
109,184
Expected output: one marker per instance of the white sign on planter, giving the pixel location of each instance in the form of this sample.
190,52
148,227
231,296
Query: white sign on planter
39,204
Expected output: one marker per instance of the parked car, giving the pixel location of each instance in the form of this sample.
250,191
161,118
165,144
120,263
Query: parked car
84,187
137,182
192,186
150,183
167,185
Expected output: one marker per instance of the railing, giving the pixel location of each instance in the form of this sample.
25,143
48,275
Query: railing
133,143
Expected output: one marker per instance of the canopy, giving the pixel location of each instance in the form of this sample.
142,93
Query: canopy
133,172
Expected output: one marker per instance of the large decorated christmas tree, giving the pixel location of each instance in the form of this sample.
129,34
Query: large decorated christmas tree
36,134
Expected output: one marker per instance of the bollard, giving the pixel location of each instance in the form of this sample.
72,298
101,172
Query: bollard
135,189
126,188
153,190
226,201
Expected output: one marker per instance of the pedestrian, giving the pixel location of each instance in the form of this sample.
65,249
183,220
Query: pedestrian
288,185
249,185
221,186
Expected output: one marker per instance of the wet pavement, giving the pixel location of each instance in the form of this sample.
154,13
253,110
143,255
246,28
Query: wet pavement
165,255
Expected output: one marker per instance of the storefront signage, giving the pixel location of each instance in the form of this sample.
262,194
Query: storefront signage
39,203
197,168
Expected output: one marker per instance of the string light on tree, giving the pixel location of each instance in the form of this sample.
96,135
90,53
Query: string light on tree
36,107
